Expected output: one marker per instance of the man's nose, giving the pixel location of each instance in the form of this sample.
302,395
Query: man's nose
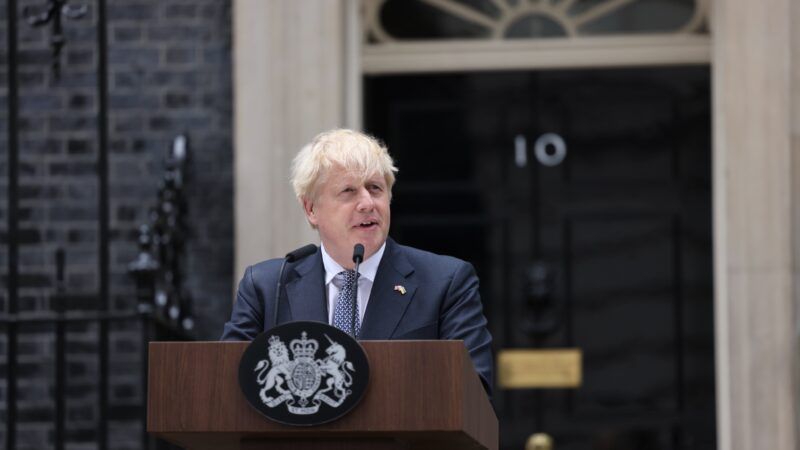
365,201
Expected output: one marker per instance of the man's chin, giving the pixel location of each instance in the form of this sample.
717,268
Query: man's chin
371,242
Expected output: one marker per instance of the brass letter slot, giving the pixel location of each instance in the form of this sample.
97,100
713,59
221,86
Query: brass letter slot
537,368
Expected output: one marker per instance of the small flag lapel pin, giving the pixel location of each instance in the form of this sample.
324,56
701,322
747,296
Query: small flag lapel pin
400,289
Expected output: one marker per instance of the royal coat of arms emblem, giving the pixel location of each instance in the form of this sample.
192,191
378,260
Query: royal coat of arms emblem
311,380
297,381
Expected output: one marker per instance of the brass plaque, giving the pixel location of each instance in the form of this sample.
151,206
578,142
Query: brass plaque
539,368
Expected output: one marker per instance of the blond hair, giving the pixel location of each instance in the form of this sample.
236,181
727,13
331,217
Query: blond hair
354,151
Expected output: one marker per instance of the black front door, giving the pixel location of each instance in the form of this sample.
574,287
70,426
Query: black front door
583,199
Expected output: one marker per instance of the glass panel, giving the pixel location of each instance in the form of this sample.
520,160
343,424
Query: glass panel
640,16
415,20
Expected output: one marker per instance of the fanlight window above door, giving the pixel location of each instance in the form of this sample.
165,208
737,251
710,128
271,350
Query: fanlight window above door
425,20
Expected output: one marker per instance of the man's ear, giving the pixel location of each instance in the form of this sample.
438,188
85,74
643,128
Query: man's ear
308,208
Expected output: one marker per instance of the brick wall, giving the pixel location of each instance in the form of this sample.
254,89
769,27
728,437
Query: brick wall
169,67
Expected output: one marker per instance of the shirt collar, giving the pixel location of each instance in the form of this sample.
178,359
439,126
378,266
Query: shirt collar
368,269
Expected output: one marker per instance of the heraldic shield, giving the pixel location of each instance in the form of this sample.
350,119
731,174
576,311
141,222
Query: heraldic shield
304,373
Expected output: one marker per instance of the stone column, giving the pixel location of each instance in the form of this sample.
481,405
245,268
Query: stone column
756,214
290,83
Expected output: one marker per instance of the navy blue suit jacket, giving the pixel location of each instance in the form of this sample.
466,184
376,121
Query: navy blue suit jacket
441,301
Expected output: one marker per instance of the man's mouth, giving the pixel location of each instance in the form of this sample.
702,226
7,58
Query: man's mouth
367,224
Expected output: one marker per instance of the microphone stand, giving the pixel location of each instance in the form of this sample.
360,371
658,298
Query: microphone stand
358,256
290,257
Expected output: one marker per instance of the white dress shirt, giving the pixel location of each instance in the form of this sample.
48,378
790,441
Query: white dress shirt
367,271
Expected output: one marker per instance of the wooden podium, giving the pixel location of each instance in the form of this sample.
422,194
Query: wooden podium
421,395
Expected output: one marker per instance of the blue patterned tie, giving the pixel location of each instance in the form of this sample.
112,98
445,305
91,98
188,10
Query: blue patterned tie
343,311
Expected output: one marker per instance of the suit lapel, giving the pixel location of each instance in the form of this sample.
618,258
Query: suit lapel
306,292
386,305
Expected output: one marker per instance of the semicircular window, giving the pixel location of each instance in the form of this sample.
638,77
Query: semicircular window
404,20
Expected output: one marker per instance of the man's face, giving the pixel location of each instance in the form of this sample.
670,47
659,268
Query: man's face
348,211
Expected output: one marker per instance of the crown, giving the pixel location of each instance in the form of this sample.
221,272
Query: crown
304,347
276,346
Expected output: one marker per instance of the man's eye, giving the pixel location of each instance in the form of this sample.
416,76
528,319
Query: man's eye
376,187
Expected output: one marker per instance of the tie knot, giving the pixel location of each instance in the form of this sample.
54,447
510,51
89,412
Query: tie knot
344,278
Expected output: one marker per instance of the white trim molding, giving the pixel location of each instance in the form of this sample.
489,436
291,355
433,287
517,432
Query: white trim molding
536,54
291,82
756,230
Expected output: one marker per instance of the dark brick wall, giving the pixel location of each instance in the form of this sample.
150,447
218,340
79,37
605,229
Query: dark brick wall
169,73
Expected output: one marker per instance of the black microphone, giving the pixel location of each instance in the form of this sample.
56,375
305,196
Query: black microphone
301,253
290,257
358,256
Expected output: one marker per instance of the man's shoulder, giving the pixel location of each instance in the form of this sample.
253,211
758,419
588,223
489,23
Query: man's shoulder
418,257
268,270
267,265
264,270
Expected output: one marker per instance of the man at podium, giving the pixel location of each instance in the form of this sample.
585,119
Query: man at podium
343,180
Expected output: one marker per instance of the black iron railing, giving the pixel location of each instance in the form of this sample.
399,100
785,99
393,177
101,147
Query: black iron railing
163,307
